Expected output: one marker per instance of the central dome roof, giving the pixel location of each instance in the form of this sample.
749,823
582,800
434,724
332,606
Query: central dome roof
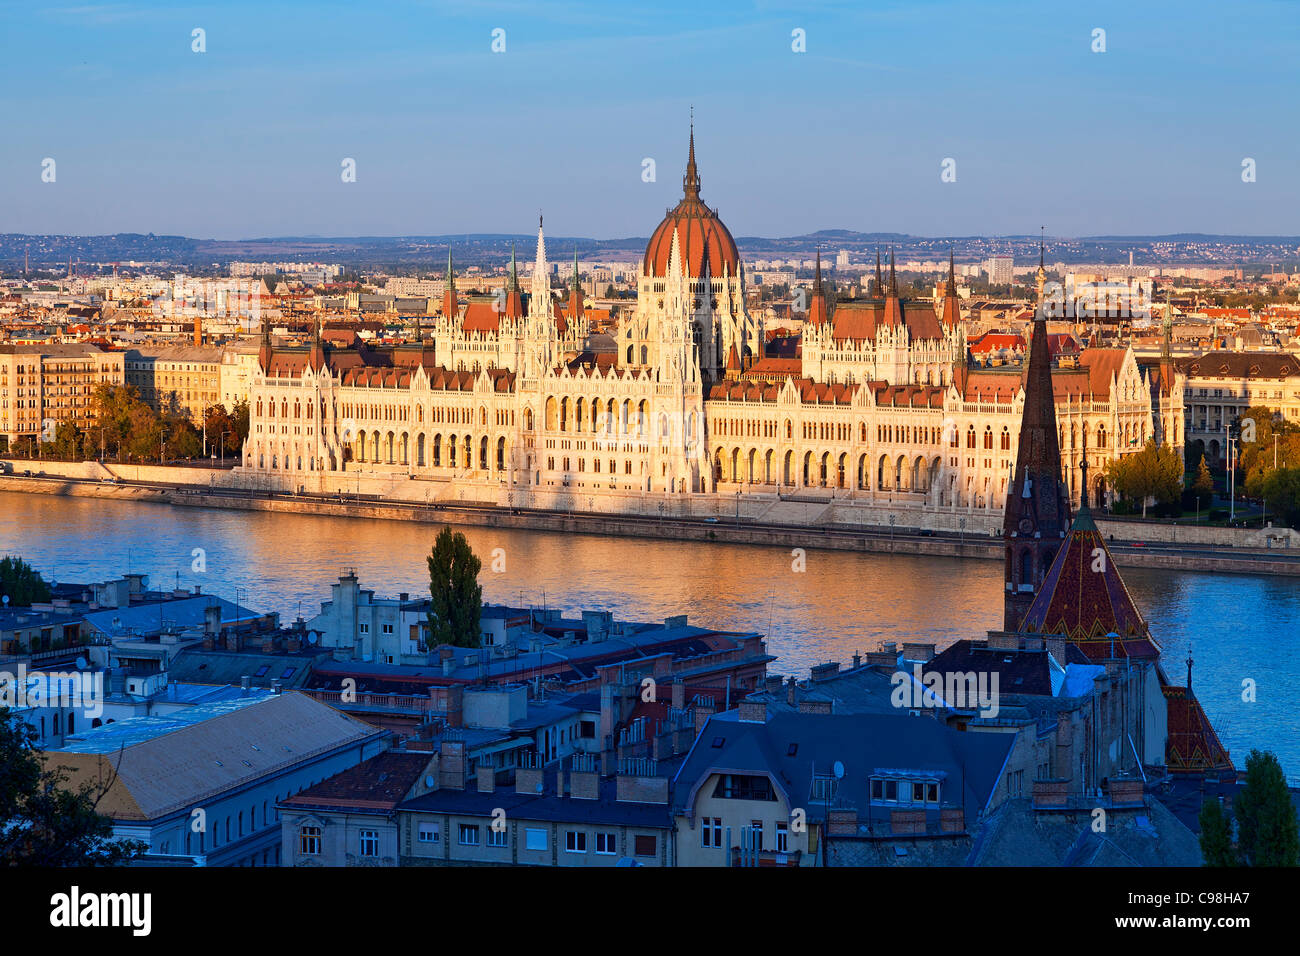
704,242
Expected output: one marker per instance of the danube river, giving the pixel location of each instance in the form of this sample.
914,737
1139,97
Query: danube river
1239,628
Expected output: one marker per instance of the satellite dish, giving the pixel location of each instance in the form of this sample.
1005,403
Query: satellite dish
5,599
429,781
311,637
839,770
82,664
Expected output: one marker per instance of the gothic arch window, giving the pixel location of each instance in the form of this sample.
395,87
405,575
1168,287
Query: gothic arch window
630,350
644,354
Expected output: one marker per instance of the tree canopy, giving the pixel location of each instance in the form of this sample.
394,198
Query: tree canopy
44,821
1267,829
457,597
1154,472
22,583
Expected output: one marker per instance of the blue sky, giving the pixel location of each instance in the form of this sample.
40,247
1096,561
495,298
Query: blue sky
247,138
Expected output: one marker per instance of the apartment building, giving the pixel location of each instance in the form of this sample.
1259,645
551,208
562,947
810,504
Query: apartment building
176,379
43,385
1220,387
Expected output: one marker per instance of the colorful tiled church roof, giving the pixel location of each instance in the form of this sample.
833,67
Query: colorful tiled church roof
1084,598
1192,745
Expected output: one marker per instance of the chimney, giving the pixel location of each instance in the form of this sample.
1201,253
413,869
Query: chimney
825,671
952,820
753,711
702,714
791,689
679,695
276,687
451,765
528,780
1004,641
245,685
584,784
487,779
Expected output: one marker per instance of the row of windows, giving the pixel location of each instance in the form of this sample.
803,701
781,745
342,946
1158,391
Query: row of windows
711,831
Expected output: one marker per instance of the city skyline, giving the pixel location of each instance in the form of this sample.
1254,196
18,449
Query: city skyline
255,134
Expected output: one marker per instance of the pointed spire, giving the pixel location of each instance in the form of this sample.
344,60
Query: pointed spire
880,282
893,277
691,181
449,303
514,301
1037,513
575,290
817,307
951,305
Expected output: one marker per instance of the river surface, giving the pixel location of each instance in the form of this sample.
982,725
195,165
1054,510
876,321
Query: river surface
1239,628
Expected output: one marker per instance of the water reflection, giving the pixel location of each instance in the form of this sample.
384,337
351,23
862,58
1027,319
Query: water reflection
1237,627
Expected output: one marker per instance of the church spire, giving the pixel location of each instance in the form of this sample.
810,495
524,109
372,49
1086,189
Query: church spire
1037,513
880,282
449,304
575,290
1042,266
691,181
817,307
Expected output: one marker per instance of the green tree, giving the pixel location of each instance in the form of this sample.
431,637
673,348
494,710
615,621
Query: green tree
44,821
1266,437
457,597
117,410
1282,494
144,433
239,417
1267,831
1203,484
68,442
1154,472
1216,835
22,583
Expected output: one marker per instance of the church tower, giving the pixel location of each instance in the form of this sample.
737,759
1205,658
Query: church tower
1038,507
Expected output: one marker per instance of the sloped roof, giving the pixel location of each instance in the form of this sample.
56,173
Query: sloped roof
378,784
1084,598
1192,745
861,319
165,763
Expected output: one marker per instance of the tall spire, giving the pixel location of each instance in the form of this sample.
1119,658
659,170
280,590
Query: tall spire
691,181
575,290
893,277
1042,267
880,282
449,303
817,307
514,300
951,306
1037,513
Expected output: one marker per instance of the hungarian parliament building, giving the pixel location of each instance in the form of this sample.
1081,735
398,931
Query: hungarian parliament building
505,400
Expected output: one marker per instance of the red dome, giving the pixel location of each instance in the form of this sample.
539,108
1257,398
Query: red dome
700,234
